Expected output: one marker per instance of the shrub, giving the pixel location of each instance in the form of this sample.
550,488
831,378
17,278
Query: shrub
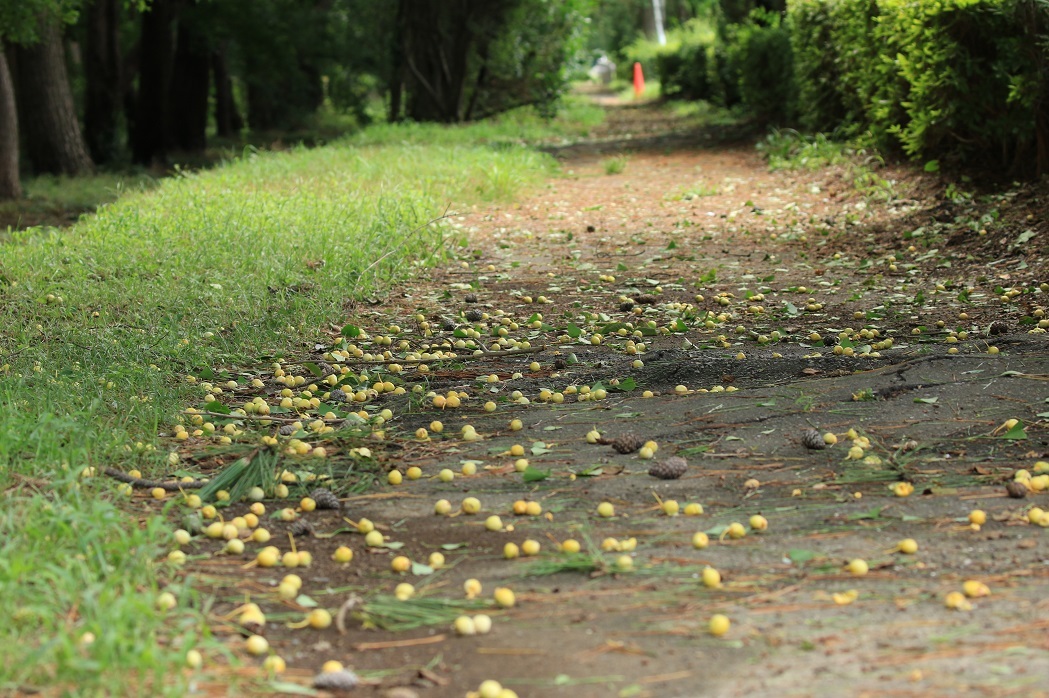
961,79
726,76
682,65
683,74
834,61
763,56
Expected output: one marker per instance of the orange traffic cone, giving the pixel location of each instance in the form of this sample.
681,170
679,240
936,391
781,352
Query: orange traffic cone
639,81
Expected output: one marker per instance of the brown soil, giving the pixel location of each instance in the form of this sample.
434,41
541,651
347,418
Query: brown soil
694,212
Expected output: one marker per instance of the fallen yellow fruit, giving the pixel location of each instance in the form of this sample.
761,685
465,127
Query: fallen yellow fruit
719,625
902,489
975,589
858,567
845,598
956,600
504,597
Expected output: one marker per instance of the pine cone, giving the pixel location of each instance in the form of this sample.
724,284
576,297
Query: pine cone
670,469
813,439
627,443
325,499
1016,489
342,680
300,528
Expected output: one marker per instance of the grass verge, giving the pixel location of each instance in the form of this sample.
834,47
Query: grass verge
788,149
230,266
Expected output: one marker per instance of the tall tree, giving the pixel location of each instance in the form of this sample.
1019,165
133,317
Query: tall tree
103,79
54,141
20,21
10,184
438,39
190,83
467,59
228,121
149,137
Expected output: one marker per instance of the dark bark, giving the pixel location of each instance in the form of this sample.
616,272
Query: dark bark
437,43
150,139
261,114
52,136
444,47
102,71
282,101
189,90
397,67
10,186
228,121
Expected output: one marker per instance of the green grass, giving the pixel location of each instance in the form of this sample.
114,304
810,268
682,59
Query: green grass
231,266
74,566
790,150
652,91
518,127
615,165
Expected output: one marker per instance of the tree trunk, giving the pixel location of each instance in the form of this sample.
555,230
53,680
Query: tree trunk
189,90
657,19
150,138
437,44
228,121
10,186
397,63
102,70
54,142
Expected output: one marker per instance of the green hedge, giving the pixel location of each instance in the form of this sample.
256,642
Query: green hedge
763,59
963,79
682,66
684,73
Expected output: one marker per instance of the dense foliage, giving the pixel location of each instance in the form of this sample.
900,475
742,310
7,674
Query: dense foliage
962,78
155,80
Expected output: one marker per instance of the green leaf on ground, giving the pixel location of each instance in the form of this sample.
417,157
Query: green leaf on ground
419,568
216,407
539,448
531,474
800,556
1017,433
874,513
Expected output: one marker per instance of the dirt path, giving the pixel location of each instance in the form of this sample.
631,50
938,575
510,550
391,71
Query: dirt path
695,227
